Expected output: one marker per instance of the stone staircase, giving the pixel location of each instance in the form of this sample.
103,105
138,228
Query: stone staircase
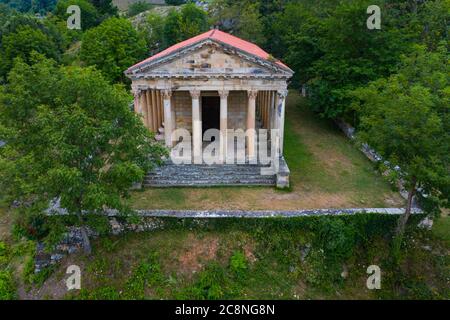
200,175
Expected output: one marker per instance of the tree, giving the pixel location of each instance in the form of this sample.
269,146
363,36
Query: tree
21,43
70,135
112,47
105,7
153,32
188,22
406,119
297,33
242,19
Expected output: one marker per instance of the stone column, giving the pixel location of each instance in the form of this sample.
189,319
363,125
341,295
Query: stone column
136,100
167,117
154,111
251,150
196,127
150,115
223,123
281,106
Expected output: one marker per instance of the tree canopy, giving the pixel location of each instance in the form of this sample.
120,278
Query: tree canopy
112,47
406,118
70,135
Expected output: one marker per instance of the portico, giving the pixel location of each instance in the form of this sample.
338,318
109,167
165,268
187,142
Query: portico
212,81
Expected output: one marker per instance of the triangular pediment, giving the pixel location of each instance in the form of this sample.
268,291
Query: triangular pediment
211,59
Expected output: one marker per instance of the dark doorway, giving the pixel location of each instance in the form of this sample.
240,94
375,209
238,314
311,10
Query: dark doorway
210,113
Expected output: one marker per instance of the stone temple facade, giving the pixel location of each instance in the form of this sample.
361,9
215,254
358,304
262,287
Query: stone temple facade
215,81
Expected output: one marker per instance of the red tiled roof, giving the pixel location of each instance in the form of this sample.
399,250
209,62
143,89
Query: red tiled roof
218,36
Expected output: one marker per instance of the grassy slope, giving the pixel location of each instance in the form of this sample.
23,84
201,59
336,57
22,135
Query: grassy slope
326,171
253,259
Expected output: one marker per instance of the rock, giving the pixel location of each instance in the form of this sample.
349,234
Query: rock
426,223
344,273
305,251
116,228
56,257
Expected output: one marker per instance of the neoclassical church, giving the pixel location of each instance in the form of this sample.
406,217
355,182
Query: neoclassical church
214,81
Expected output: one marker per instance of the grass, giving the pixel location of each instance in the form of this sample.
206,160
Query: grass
327,171
257,259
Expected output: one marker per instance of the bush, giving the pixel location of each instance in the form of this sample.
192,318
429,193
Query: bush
238,263
7,287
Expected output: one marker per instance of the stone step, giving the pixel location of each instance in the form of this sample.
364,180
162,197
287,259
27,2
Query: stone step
207,175
182,183
159,137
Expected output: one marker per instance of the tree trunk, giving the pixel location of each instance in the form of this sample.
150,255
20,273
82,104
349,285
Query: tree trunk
86,242
84,234
404,218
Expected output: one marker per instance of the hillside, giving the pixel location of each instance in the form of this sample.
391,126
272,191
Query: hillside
124,4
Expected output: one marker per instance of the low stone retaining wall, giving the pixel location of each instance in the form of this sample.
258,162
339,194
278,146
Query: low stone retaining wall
268,213
72,241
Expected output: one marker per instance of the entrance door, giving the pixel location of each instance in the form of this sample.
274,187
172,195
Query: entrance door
210,113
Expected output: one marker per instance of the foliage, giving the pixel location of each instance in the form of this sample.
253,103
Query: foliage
20,35
7,287
406,119
138,7
242,19
153,32
105,7
112,47
186,23
238,263
95,147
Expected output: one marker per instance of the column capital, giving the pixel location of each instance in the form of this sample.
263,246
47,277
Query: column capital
223,94
167,93
252,94
195,94
282,94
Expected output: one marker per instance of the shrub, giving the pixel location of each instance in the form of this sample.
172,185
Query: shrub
7,287
238,263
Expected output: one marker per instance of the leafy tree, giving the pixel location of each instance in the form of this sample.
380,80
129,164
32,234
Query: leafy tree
21,43
406,119
90,17
70,135
112,47
172,28
188,22
19,5
297,33
242,19
105,7
153,32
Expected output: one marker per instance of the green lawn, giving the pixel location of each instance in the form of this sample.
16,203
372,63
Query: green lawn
327,171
